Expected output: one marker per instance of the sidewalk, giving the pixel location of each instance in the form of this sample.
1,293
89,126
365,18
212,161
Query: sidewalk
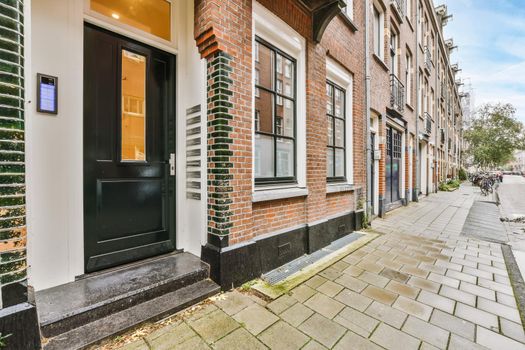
421,285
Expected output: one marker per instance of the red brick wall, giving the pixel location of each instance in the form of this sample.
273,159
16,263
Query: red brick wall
347,48
226,26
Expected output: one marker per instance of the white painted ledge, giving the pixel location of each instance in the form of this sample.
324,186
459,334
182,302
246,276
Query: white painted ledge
334,188
278,193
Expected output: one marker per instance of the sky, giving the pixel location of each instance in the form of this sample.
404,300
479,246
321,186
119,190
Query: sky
490,35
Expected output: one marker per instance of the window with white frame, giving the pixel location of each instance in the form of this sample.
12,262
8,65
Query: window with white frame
335,113
257,80
378,32
393,52
409,77
339,123
275,137
280,137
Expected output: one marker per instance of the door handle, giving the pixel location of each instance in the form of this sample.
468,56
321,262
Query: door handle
172,164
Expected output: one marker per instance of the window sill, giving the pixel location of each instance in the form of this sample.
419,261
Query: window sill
339,187
410,107
381,62
349,22
270,194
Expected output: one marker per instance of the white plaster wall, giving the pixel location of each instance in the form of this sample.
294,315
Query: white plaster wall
54,145
191,91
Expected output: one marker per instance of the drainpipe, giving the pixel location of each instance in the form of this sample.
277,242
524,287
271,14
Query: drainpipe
436,106
418,102
369,160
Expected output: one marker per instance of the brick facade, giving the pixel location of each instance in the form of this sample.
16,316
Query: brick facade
224,28
418,29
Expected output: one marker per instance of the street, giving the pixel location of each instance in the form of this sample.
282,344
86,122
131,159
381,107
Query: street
422,284
512,197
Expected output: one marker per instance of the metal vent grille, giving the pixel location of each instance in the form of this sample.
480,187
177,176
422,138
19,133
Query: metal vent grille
281,273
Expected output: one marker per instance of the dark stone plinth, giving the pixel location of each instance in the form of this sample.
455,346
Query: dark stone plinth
21,322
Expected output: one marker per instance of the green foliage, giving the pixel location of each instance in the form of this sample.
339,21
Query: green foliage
3,342
449,185
462,174
494,135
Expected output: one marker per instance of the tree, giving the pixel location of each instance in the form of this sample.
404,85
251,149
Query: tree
494,135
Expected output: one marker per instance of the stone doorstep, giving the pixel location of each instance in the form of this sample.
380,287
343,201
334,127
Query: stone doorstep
120,322
275,291
121,298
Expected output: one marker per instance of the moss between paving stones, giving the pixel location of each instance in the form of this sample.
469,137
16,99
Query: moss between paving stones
275,291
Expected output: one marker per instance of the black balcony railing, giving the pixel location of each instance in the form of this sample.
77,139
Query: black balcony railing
428,123
400,6
428,59
397,94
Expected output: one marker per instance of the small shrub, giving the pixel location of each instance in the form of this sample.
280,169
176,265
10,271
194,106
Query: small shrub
453,183
443,187
462,174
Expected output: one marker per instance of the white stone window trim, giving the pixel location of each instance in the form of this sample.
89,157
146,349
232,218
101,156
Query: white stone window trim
338,75
272,29
380,9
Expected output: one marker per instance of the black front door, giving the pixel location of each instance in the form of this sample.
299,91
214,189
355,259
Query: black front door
129,135
392,165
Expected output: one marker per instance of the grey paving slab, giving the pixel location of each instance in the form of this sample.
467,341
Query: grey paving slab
353,341
323,330
255,318
427,332
296,314
391,338
283,336
454,324
214,326
324,305
239,339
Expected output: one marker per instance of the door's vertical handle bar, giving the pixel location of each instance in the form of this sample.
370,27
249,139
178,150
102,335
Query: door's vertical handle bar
172,164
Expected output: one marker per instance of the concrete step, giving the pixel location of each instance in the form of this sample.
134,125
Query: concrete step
152,310
73,306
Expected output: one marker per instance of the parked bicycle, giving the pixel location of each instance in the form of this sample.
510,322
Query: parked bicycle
486,181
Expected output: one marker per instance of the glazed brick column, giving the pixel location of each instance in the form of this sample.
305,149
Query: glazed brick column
219,148
17,316
12,180
223,34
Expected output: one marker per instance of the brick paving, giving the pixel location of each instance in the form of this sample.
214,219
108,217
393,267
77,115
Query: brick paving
420,285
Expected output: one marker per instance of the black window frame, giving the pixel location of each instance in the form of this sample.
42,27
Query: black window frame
334,147
293,100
